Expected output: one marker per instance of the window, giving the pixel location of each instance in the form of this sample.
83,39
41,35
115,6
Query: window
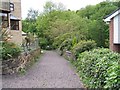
14,25
11,7
5,22
116,29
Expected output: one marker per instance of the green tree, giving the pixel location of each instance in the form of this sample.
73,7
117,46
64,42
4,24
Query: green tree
97,28
32,14
49,6
84,24
29,24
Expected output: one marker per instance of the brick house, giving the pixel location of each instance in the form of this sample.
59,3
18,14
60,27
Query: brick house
10,13
114,30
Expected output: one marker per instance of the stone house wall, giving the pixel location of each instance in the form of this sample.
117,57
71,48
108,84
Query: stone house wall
17,34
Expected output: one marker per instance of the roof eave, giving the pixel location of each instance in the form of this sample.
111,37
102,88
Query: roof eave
107,20
109,17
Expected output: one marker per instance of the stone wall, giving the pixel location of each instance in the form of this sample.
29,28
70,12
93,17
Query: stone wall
67,54
17,34
13,65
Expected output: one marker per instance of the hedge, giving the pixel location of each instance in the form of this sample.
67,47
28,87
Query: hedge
99,68
83,46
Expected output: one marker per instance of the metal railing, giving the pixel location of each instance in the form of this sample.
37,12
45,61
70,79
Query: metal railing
26,47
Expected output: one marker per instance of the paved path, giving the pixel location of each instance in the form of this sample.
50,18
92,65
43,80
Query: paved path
51,71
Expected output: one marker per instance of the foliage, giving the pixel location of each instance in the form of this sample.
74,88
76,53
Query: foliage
55,22
35,58
98,30
10,50
66,45
43,43
50,6
29,24
32,14
75,37
5,35
83,46
99,68
80,31
22,71
58,40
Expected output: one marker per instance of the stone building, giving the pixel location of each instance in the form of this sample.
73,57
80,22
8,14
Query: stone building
10,13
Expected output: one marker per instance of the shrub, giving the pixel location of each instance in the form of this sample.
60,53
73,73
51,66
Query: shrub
43,43
5,34
67,44
99,68
10,50
58,40
83,46
75,36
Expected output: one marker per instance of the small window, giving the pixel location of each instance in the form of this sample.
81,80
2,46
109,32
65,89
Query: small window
4,22
11,7
14,25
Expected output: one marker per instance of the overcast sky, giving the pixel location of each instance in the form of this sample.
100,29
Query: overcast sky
69,4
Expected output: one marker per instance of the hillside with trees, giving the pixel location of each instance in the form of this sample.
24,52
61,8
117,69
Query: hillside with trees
57,22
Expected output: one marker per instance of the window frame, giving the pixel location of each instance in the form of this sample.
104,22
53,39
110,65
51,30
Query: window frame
4,20
12,7
15,23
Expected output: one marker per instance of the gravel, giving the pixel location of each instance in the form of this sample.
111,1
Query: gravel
51,71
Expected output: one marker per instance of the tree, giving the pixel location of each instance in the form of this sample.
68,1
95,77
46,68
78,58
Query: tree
97,28
32,14
60,7
84,24
29,24
49,6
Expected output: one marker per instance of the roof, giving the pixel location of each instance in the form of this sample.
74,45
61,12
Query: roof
113,14
3,14
13,17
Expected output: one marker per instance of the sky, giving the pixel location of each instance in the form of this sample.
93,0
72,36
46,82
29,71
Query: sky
69,4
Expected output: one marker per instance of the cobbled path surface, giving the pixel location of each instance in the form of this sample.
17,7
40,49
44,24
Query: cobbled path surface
51,71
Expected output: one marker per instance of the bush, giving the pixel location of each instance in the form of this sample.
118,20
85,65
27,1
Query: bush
74,36
43,43
67,44
10,50
58,40
99,68
83,46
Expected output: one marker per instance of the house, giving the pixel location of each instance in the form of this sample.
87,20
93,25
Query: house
114,29
10,13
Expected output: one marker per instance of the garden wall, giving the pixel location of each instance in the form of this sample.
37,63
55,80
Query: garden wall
13,65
